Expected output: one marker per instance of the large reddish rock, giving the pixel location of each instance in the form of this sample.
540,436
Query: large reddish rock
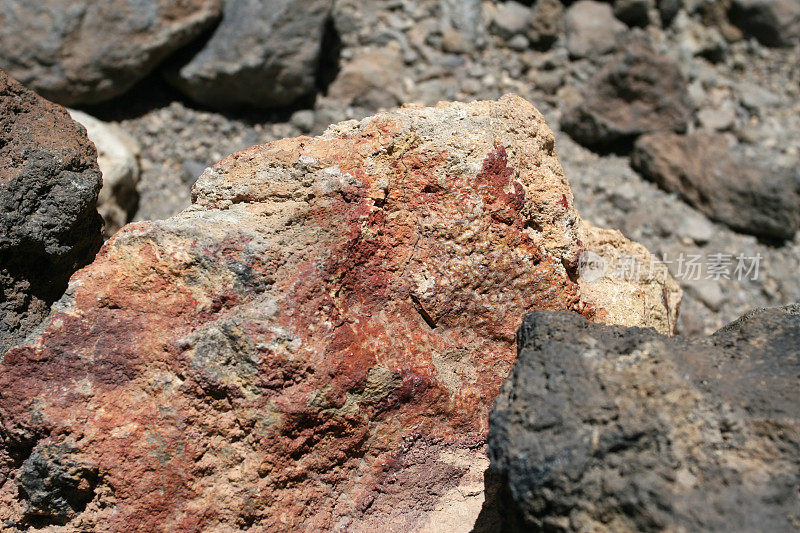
313,345
49,226
87,51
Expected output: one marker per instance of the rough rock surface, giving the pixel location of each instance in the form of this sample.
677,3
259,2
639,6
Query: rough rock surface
83,52
713,176
49,226
603,428
264,54
118,159
314,345
637,91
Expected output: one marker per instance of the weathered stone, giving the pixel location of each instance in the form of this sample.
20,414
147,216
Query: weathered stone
636,92
316,342
263,54
773,22
83,52
591,28
118,159
49,226
716,178
603,428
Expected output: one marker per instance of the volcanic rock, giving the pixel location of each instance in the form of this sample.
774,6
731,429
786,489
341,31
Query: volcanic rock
717,179
264,54
313,345
83,52
49,226
605,428
636,92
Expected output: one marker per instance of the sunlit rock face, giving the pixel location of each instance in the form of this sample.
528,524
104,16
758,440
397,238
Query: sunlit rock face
315,344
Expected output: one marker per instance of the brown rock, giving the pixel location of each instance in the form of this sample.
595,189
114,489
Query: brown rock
372,80
49,226
717,179
313,345
636,92
84,52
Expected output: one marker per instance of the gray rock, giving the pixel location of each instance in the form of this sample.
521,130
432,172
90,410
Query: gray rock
264,54
49,226
695,227
606,428
510,19
303,120
637,91
591,29
747,195
84,52
465,18
717,118
772,22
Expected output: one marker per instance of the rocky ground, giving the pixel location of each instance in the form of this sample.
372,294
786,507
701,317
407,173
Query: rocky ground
716,76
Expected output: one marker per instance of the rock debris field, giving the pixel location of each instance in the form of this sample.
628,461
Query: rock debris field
394,265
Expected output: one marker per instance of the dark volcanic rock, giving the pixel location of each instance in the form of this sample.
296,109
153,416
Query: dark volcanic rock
264,54
84,52
636,92
605,428
49,226
748,196
773,22
54,485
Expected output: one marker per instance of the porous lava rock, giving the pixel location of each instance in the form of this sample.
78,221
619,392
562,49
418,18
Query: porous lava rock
313,345
88,51
49,226
606,428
